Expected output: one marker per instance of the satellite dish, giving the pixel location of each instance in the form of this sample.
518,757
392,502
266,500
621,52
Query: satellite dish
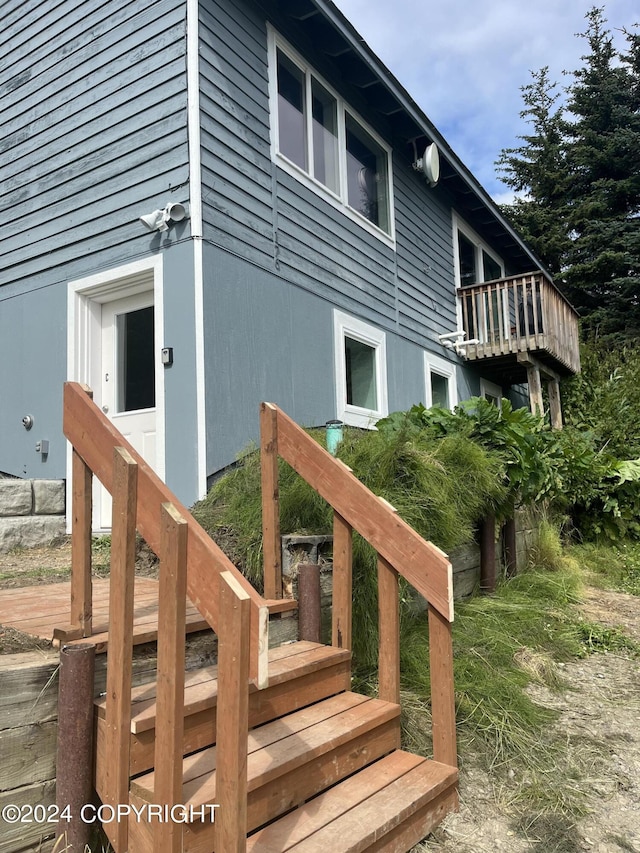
429,164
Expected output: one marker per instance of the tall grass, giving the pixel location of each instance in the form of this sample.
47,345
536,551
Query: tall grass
501,643
614,566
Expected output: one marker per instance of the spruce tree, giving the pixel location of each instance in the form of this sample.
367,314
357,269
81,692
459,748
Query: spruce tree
538,170
580,176
603,156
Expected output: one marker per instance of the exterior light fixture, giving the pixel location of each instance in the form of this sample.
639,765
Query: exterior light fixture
159,220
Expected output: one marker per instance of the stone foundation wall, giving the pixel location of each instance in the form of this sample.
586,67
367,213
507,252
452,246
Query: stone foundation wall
32,512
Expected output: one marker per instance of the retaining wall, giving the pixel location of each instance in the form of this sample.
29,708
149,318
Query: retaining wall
32,512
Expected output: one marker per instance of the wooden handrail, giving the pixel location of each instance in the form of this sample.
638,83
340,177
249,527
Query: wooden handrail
521,313
401,551
423,565
94,438
81,585
342,583
232,719
119,660
170,681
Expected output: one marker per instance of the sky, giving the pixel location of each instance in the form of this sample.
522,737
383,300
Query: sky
465,61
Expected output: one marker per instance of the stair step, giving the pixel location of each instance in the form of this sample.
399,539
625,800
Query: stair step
291,759
299,674
286,663
387,806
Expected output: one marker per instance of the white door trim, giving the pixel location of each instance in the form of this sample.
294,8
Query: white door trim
84,328
196,224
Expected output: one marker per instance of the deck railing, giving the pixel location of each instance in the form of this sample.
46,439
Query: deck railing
524,313
190,564
401,551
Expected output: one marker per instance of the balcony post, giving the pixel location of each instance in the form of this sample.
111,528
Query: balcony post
555,406
535,389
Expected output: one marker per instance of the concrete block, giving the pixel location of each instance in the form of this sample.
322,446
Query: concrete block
16,497
48,497
30,531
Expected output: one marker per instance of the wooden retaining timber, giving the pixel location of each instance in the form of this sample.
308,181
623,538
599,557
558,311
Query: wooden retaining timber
265,732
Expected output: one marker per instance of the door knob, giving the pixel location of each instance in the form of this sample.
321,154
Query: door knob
105,409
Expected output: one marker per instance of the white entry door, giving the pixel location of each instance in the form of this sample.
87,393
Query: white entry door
128,378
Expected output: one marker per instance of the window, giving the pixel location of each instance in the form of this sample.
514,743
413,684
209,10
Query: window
441,383
361,371
475,263
491,392
317,138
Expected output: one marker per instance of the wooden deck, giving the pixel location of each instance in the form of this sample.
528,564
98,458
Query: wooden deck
519,314
41,610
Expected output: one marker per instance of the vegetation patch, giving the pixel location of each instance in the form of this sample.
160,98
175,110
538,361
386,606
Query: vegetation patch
611,566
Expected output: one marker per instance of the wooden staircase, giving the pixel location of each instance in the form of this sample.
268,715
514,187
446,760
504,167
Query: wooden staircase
270,750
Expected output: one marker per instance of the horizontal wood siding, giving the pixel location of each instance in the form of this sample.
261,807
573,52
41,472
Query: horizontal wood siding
328,253
262,213
93,130
426,287
236,160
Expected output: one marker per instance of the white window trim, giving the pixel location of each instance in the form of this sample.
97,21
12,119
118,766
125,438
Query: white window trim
444,368
491,388
346,326
338,201
460,226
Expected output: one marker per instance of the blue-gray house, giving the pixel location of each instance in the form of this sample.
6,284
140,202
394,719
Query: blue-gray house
301,240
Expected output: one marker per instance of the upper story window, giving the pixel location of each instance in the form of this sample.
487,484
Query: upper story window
320,140
481,314
475,261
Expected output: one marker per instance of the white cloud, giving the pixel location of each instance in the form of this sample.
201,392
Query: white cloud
464,62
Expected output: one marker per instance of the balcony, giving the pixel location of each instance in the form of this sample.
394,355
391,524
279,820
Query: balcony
514,322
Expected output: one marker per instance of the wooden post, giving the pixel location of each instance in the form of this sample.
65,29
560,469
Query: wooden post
271,545
119,659
81,588
309,615
488,554
535,390
74,765
510,554
388,632
232,716
443,704
171,663
342,582
555,406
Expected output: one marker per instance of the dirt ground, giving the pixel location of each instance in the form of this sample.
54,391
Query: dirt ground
599,719
599,711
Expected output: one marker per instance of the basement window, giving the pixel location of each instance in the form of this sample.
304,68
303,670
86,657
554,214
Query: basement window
441,387
361,371
322,142
491,392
